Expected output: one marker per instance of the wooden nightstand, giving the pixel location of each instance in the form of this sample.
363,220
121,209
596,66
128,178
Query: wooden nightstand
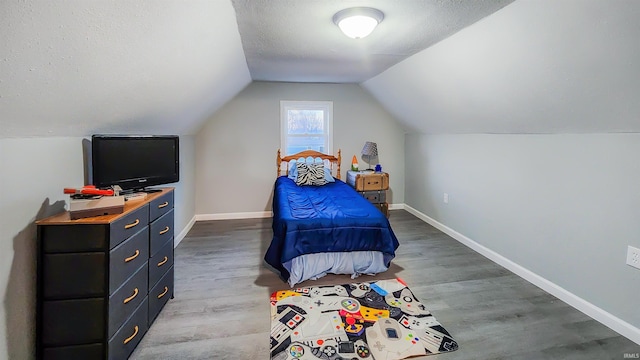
373,186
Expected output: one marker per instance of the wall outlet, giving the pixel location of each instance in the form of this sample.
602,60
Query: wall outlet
445,198
633,257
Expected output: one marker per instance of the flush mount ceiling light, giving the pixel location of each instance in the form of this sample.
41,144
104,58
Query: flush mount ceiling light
358,22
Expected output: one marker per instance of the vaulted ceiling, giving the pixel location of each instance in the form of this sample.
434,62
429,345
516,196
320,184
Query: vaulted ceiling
297,41
74,68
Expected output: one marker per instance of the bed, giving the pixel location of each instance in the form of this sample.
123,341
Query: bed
321,228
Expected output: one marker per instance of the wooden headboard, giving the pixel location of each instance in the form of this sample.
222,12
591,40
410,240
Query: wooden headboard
309,154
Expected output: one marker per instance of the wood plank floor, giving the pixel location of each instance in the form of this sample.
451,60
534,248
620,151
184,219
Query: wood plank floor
222,288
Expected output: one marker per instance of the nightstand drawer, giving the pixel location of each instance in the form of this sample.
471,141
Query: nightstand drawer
384,208
367,180
375,197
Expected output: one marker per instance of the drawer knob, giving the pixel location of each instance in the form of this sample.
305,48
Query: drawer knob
135,293
129,226
163,205
164,231
135,332
164,261
166,289
132,256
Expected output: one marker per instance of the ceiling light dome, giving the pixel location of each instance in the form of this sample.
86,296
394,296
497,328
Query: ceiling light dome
358,22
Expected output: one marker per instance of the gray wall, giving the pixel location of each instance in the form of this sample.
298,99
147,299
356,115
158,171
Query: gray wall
562,206
33,172
236,148
185,194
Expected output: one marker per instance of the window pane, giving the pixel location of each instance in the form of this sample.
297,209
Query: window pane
306,125
305,121
301,143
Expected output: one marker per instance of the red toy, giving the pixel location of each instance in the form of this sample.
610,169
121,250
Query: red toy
88,190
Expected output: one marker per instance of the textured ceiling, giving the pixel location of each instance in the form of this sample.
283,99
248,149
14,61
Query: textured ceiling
297,41
76,67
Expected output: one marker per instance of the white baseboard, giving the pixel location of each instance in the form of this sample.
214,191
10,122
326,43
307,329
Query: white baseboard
183,233
231,216
614,323
396,206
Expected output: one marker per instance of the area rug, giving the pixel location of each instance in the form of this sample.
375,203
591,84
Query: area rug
379,320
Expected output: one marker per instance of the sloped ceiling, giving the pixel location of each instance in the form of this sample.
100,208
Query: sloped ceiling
74,68
297,41
568,66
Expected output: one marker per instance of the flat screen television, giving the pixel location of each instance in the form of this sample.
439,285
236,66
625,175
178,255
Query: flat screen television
134,162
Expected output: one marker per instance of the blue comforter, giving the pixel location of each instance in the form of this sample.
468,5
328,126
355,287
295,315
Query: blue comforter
327,218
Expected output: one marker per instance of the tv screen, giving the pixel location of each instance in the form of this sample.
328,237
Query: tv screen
134,162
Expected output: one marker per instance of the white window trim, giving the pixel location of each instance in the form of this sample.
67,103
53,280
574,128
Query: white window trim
285,105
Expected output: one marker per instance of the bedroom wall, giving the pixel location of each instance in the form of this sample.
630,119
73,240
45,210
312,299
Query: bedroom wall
236,148
33,172
563,206
562,200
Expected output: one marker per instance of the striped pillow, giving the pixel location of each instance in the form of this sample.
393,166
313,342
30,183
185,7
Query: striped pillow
310,174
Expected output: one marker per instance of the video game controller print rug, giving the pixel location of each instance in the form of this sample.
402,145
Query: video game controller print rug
380,320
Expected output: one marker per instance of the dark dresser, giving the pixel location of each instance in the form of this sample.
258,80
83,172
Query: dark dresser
102,281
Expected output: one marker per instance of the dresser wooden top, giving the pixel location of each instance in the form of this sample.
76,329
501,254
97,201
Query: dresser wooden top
64,218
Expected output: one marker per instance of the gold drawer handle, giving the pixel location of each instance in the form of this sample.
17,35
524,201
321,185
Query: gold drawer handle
163,205
166,289
135,293
135,332
132,256
129,226
164,261
164,231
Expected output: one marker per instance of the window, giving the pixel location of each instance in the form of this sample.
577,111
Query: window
306,125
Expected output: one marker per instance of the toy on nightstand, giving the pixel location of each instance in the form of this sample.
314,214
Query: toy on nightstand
354,163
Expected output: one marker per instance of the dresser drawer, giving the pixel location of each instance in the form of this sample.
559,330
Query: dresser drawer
127,258
161,232
160,263
73,238
160,206
88,351
375,197
122,344
160,294
74,275
128,225
73,322
124,301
